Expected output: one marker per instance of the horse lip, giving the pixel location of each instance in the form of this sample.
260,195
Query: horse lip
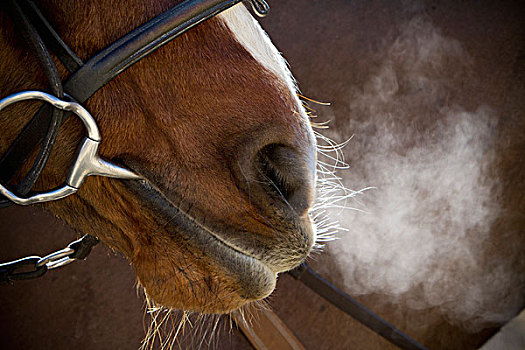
256,278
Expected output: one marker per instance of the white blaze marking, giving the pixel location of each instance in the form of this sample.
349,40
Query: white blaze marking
254,39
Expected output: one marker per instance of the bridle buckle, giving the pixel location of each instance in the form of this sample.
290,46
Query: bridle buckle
260,7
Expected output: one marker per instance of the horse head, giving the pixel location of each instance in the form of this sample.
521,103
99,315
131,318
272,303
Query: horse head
212,124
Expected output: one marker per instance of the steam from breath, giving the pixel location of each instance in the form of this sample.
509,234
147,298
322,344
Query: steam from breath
424,228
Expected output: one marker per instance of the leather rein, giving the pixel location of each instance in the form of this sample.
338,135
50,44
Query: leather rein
65,98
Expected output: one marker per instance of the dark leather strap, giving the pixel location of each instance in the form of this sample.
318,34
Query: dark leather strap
25,143
136,45
352,307
52,40
50,119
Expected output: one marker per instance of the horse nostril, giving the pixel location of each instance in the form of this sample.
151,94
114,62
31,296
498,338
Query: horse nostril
287,175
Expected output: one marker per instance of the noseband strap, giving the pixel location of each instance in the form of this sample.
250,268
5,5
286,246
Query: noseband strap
119,56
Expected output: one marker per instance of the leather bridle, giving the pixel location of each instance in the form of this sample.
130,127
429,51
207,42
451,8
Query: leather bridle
66,98
85,79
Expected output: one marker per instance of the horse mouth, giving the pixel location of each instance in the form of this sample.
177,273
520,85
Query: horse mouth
252,274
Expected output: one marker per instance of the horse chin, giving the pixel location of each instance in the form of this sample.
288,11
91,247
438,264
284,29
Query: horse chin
191,267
